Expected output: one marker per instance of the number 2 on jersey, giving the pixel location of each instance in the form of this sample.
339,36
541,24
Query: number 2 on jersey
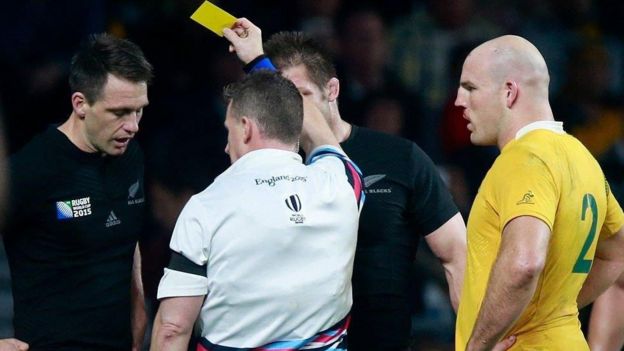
582,265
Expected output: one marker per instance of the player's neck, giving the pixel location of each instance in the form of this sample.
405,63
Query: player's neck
512,130
340,128
72,129
272,144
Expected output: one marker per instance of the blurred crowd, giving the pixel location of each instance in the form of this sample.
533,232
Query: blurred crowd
398,62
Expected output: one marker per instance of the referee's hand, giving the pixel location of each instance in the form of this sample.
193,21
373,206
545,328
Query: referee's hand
245,39
12,345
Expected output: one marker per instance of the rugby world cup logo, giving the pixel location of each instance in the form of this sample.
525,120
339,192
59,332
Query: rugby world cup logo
294,203
64,210
73,208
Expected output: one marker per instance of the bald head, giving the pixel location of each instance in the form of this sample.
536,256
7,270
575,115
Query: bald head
515,59
503,87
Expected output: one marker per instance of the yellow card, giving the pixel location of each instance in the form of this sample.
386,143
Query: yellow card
213,17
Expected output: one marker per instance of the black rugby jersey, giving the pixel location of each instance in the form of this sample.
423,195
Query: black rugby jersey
73,223
405,199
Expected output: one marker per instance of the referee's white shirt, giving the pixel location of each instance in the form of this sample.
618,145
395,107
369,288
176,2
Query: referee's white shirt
277,239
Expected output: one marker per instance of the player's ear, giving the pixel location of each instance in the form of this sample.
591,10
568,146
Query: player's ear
79,104
249,128
333,89
511,93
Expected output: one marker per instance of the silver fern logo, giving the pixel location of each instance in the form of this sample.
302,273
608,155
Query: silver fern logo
133,190
372,179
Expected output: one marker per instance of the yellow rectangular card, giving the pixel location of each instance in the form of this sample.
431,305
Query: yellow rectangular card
213,17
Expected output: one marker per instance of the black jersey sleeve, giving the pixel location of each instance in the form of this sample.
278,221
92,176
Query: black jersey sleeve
431,204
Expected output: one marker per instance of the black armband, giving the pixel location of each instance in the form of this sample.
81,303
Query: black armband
182,264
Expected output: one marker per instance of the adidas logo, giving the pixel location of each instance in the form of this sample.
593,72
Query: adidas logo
112,220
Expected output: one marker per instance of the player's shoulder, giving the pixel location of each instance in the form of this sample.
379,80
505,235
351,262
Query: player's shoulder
548,146
231,185
539,150
366,145
535,144
36,157
382,140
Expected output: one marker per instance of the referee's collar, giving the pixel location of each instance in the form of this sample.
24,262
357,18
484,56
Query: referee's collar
268,156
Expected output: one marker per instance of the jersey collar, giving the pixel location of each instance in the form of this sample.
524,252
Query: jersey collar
70,149
267,156
554,126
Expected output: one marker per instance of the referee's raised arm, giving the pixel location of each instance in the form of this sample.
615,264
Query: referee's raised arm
246,40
